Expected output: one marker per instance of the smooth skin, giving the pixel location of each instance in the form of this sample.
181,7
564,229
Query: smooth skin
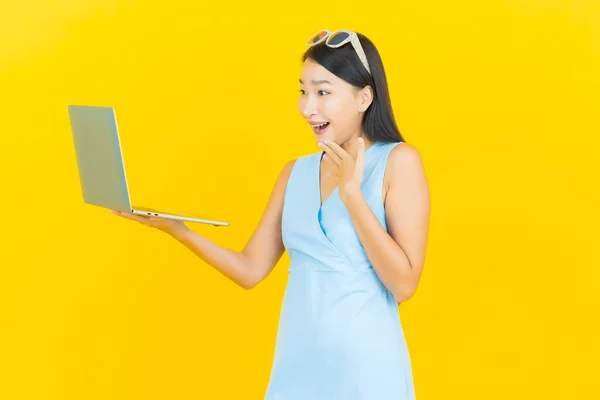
398,257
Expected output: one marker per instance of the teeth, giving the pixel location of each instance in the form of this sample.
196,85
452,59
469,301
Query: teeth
319,126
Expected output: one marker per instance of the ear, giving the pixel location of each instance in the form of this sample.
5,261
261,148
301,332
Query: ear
365,98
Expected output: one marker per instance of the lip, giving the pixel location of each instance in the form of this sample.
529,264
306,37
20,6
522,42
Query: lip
318,133
317,122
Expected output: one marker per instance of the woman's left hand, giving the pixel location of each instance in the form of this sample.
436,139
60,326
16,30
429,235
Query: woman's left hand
349,170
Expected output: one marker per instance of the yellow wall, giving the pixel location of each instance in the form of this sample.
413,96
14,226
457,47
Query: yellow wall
501,98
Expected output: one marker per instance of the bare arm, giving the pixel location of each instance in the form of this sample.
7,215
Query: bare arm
261,253
398,257
398,254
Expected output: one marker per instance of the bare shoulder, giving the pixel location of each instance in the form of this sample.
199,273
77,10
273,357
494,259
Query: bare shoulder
287,170
289,166
407,206
283,178
405,164
404,154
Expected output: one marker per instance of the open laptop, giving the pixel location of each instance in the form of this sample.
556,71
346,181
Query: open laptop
101,167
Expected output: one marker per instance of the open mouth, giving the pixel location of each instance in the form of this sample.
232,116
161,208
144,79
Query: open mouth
319,129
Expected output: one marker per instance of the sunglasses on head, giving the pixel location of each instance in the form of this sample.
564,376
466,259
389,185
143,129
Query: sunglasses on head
339,38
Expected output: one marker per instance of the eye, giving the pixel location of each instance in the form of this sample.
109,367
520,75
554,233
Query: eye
302,91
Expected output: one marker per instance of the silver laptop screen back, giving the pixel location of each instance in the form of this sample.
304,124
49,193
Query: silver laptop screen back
99,159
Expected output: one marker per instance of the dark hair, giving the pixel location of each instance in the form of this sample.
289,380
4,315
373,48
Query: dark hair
378,122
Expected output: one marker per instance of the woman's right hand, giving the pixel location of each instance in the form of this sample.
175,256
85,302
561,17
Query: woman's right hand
166,225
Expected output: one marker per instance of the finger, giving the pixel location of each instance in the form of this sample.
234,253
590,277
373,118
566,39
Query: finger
330,154
133,217
346,160
360,156
329,161
337,149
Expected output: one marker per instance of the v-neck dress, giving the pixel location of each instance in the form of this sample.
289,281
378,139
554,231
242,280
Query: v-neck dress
340,335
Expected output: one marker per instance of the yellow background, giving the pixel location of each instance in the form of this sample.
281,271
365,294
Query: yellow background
500,97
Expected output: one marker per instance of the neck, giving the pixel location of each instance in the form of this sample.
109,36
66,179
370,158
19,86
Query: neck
351,146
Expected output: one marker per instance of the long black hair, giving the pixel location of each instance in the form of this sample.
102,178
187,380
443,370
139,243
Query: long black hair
378,122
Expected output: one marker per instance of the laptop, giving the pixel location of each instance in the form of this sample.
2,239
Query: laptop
101,167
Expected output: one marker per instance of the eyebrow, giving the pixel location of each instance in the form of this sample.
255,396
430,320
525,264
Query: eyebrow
318,82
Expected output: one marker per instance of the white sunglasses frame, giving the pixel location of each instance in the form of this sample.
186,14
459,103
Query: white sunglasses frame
352,38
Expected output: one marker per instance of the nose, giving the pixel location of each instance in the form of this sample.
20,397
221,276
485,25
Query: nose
308,106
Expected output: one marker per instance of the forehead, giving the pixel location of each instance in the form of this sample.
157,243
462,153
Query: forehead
314,73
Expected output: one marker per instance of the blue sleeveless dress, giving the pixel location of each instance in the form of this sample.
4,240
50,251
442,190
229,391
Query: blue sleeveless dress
340,335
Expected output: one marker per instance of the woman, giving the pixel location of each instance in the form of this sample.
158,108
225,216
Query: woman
354,219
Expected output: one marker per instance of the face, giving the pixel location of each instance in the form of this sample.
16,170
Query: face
325,98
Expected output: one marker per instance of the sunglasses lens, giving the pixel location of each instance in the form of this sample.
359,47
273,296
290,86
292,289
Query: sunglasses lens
317,37
337,38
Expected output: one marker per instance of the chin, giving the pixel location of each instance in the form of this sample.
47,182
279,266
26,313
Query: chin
325,136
